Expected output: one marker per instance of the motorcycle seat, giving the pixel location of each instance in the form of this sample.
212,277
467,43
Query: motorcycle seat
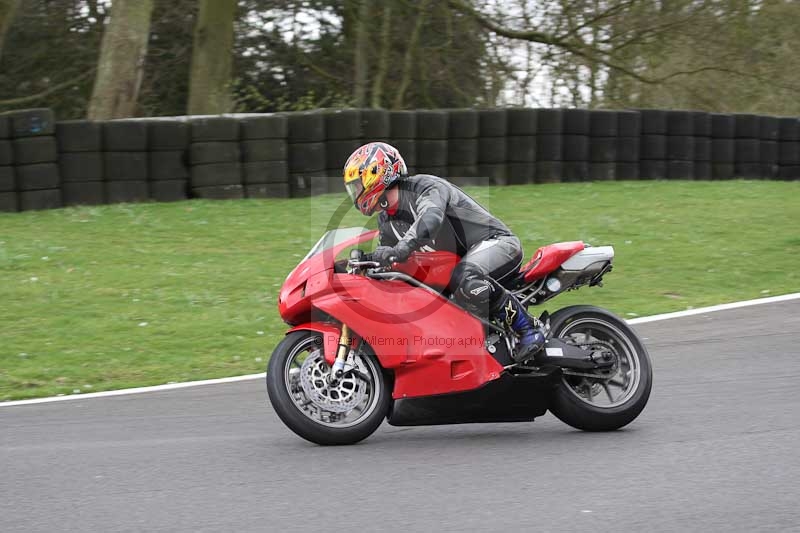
548,258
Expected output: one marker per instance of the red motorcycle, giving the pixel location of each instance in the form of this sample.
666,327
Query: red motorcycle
370,342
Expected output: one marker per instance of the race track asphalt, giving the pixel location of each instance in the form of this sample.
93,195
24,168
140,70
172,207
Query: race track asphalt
716,449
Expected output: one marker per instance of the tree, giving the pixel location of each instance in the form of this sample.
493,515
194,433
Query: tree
8,10
165,87
723,55
299,54
212,58
121,64
50,55
360,64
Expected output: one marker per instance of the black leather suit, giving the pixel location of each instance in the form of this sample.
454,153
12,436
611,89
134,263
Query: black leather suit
434,214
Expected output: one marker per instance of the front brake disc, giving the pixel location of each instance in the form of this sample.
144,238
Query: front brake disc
342,397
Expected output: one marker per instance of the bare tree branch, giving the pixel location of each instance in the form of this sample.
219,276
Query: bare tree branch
593,53
52,90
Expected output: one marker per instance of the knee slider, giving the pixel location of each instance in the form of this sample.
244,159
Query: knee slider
475,295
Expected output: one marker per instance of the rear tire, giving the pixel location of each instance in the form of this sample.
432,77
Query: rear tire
580,411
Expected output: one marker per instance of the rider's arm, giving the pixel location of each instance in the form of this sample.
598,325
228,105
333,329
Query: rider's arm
386,236
431,205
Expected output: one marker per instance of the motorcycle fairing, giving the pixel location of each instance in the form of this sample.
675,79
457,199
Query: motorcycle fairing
431,268
329,337
433,347
548,258
293,305
511,398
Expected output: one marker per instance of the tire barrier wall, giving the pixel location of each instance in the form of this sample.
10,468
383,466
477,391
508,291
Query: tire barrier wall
46,164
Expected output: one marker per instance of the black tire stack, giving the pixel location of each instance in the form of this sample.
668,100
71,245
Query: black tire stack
35,156
307,154
375,125
403,136
265,156
215,158
576,145
769,129
343,131
747,130
549,145
168,165
8,182
629,131
521,145
432,133
125,161
492,131
789,148
702,145
653,144
45,165
723,146
80,161
603,128
680,145
462,148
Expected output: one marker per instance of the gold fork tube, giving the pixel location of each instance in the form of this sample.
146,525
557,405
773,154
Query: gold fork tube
344,343
341,354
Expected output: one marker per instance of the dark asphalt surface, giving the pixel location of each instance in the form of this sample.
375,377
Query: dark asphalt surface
716,449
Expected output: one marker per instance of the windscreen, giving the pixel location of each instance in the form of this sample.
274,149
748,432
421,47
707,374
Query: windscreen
334,237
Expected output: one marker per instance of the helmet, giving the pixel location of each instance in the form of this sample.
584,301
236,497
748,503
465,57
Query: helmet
371,170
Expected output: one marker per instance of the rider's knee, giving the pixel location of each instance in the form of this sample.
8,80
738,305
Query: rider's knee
472,289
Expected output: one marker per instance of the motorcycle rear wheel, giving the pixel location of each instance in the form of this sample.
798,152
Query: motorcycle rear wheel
615,398
316,411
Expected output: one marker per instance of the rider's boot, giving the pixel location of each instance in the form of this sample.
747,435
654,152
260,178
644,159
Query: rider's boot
529,329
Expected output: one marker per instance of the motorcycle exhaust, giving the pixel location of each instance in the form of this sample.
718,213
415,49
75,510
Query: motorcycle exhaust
559,353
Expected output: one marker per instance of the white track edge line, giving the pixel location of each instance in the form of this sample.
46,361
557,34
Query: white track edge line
713,308
173,386
137,390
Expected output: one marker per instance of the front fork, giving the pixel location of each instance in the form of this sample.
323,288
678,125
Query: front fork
345,340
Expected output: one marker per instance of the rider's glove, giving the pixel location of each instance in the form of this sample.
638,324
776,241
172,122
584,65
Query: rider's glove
388,254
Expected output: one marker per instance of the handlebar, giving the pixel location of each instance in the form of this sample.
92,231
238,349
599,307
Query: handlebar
359,259
362,264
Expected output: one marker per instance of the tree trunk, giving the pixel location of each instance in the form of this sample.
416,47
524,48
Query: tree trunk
383,59
212,58
8,10
363,24
121,65
408,59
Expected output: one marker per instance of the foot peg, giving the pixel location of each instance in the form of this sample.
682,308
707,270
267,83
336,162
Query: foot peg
537,341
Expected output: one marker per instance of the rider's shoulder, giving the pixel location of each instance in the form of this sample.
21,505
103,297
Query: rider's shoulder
423,181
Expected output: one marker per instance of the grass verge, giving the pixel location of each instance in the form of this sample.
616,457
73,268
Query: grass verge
130,295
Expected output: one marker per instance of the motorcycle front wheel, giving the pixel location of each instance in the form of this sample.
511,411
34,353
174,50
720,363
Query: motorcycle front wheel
602,400
322,411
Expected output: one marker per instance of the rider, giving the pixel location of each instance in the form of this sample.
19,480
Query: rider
424,212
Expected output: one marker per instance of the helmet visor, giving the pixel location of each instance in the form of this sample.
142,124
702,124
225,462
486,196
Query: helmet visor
354,189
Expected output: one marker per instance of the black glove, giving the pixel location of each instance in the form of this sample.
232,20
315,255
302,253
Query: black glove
385,255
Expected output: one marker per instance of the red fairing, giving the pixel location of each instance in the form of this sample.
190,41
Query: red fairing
329,337
431,268
550,257
313,273
433,346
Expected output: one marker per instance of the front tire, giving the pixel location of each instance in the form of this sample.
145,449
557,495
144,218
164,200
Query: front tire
615,398
304,400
